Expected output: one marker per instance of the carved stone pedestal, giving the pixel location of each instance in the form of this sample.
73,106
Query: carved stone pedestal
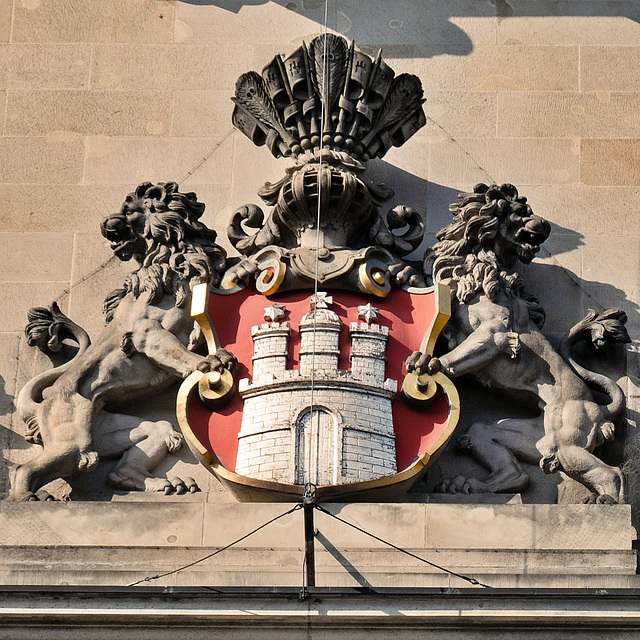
501,545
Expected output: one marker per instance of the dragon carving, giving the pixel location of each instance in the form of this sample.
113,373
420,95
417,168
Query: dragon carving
494,334
146,346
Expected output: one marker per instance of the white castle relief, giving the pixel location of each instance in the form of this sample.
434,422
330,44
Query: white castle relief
317,423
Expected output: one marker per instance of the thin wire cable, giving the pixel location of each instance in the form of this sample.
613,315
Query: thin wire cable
208,155
73,285
318,215
215,553
397,548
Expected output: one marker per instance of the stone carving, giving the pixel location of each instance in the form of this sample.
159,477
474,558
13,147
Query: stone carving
324,205
338,422
494,334
328,108
145,347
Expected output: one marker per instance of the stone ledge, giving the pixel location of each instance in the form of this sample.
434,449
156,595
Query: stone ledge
279,613
503,545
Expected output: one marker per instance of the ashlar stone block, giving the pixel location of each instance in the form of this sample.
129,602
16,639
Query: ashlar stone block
461,114
6,9
113,113
597,63
53,159
460,22
465,161
202,113
186,67
130,160
35,257
498,68
16,298
45,66
244,23
610,162
79,21
601,114
582,22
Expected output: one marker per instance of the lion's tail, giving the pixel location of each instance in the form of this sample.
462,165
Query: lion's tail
46,329
613,321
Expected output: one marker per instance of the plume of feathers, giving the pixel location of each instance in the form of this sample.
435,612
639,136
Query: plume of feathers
350,99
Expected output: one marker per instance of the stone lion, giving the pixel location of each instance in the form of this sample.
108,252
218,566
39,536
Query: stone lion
494,334
145,347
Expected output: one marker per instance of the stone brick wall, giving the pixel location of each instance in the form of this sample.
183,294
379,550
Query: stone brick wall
96,97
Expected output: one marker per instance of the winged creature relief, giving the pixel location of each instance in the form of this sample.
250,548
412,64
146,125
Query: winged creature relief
494,334
146,346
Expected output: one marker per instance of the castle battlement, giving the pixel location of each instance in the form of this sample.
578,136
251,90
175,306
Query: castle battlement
317,423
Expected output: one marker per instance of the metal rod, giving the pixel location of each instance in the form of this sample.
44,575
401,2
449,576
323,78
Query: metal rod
308,502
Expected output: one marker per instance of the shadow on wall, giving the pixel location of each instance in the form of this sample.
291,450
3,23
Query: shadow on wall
428,22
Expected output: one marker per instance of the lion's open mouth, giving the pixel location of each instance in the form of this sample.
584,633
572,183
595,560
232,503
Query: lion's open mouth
530,237
121,238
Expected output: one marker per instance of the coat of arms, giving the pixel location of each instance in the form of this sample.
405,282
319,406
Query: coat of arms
322,310
322,366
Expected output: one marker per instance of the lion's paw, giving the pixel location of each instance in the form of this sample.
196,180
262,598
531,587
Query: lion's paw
172,485
608,430
44,496
460,484
421,363
222,359
87,460
550,464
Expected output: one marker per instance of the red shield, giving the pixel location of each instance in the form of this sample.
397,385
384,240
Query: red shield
414,318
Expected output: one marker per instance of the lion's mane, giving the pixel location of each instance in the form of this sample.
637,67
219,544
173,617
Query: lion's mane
181,251
466,254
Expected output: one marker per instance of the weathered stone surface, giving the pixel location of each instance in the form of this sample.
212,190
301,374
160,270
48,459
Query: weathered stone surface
610,162
570,209
6,9
96,272
52,159
201,113
35,257
243,24
78,21
16,298
542,546
37,113
597,65
97,524
621,272
587,115
430,614
57,208
186,67
45,66
126,160
503,68
446,109
413,22
465,161
244,154
581,22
